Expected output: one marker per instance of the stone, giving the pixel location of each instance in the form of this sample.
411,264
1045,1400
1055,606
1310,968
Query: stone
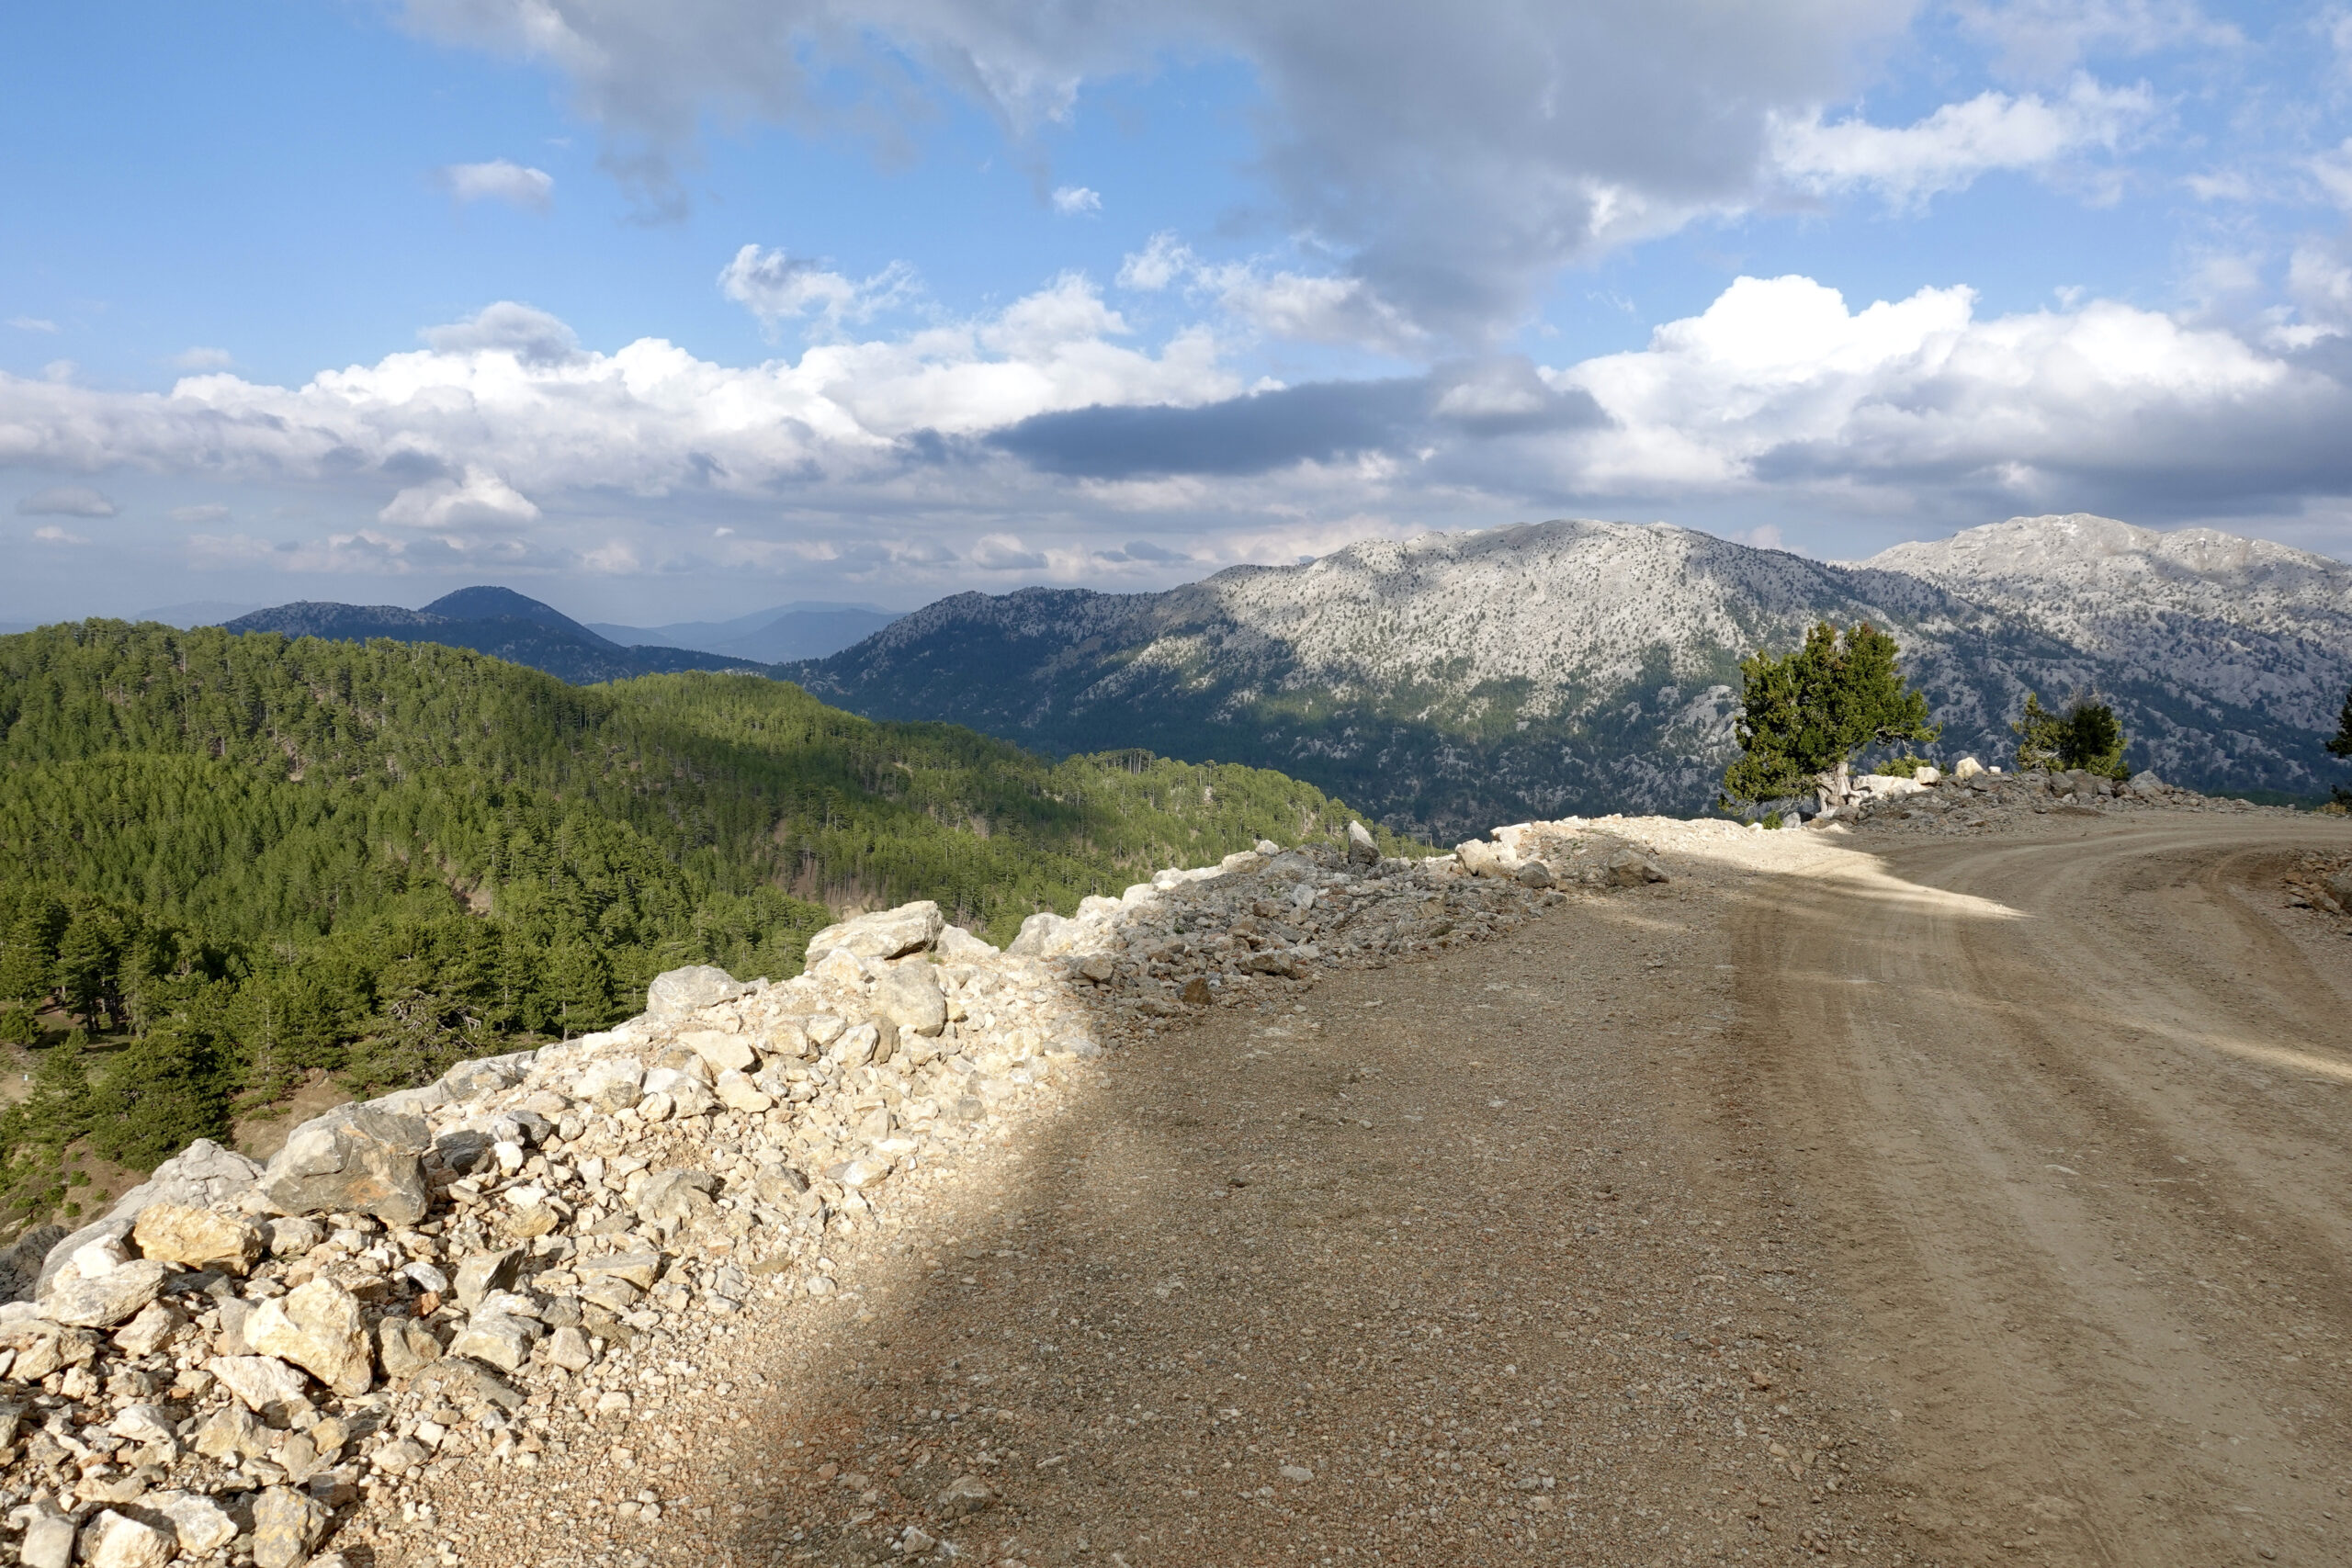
468,1384
1481,859
613,1085
909,996
893,934
738,1093
957,945
640,1268
287,1524
2145,782
1272,962
47,1543
103,1299
291,1236
319,1328
204,1175
498,1339
719,1050
856,1046
1295,1472
202,1525
112,1540
865,1170
568,1348
355,1159
1628,868
143,1424
405,1346
1967,768
1197,993
148,1332
1044,935
1363,848
682,992
399,1456
964,1495
263,1384
676,1195
840,969
198,1238
1533,873
231,1432
824,1028
483,1273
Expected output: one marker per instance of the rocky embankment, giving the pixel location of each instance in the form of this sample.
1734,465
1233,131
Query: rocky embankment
1978,797
242,1364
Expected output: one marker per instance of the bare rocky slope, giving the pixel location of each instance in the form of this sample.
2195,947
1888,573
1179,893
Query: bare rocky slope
1452,681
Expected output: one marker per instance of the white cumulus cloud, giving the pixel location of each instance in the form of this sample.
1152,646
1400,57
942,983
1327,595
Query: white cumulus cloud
477,500
499,180
775,286
1948,150
50,534
1069,200
32,324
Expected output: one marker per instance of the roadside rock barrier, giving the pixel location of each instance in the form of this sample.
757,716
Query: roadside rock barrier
235,1358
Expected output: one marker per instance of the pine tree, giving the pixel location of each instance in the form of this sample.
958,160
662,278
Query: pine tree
1805,715
2086,738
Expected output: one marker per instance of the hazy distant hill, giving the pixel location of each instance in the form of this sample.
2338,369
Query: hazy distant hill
1455,680
495,621
807,629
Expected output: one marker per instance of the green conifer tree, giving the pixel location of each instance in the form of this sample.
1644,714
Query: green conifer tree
1803,716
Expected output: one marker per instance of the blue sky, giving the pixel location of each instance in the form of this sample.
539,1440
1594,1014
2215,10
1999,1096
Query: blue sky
658,312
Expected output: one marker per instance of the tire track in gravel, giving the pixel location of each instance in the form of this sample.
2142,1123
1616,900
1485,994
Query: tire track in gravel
2078,1103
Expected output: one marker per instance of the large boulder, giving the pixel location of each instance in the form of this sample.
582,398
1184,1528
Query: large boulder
111,1541
202,1176
287,1524
1480,858
360,1159
263,1384
1363,848
198,1238
319,1328
1045,934
893,934
682,992
909,996
103,1297
957,945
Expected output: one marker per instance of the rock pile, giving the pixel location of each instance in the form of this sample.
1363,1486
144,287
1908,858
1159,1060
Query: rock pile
237,1358
1972,796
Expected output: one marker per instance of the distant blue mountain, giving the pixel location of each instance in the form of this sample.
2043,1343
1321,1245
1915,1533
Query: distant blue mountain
807,629
495,621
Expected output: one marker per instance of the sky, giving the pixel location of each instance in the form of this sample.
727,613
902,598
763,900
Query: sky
669,311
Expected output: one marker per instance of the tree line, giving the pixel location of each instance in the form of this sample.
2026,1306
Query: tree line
1807,715
227,862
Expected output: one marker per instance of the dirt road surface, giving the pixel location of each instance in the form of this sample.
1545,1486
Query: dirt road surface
1974,1200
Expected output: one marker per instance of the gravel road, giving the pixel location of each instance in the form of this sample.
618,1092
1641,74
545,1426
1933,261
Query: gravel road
1975,1200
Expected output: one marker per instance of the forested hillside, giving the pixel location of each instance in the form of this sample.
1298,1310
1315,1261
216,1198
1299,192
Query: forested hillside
230,860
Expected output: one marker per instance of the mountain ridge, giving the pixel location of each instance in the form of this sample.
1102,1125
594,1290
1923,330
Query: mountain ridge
491,620
1454,679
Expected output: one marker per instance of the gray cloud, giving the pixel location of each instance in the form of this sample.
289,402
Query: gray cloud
532,336
67,501
1319,422
1458,155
